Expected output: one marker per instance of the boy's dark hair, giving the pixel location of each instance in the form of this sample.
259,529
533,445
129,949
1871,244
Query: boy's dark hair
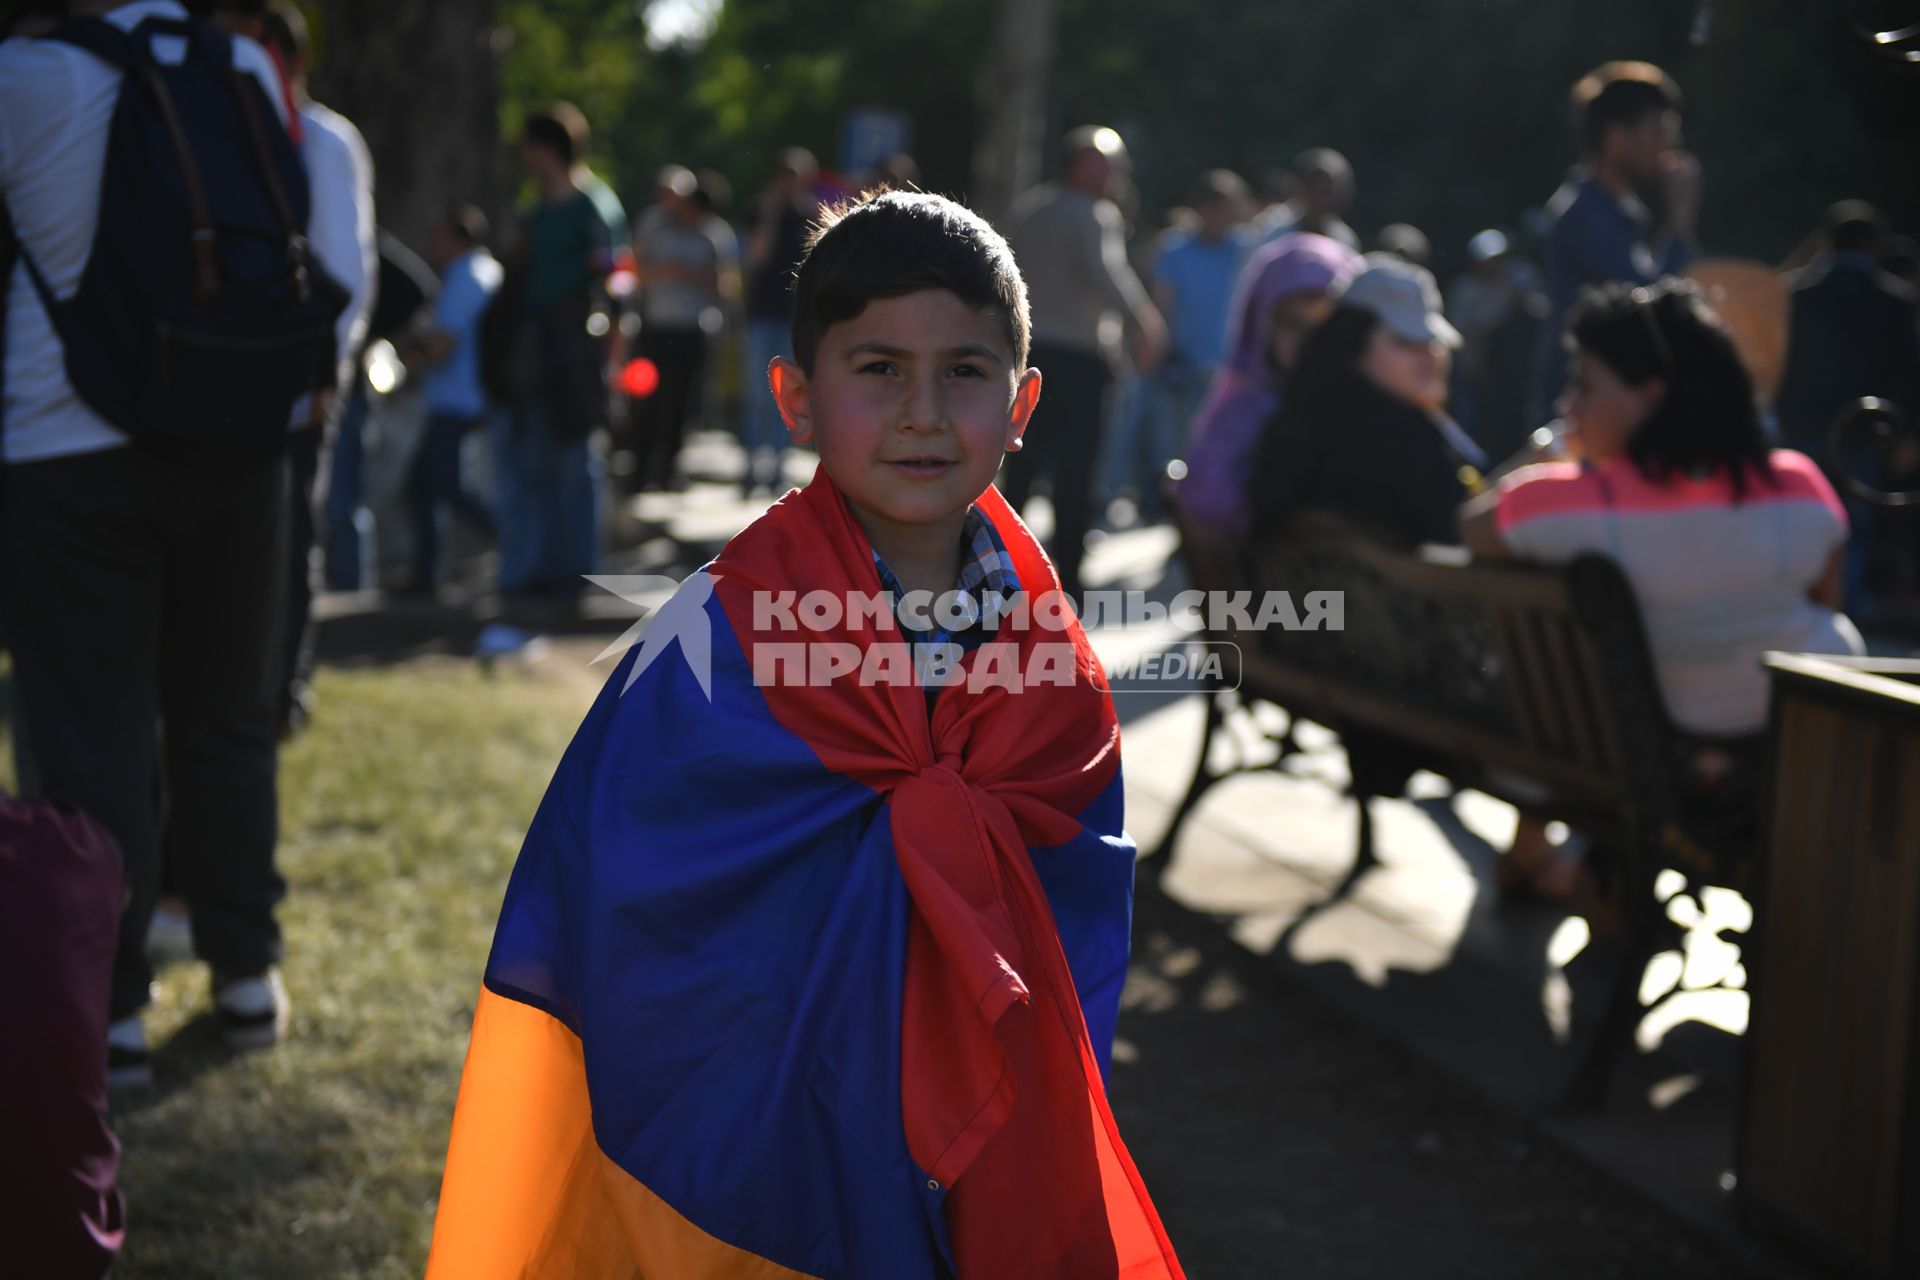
561,129
1710,415
1620,93
286,32
894,243
468,225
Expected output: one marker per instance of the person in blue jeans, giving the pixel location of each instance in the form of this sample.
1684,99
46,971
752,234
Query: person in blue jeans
455,400
576,237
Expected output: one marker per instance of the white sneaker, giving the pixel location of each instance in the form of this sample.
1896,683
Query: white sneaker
129,1064
170,935
252,1009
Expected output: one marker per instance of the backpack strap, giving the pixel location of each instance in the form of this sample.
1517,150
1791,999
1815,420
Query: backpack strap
132,52
270,174
206,266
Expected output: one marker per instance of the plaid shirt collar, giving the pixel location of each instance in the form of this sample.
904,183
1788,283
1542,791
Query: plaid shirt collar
985,568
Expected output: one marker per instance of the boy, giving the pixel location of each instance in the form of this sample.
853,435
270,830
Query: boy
811,961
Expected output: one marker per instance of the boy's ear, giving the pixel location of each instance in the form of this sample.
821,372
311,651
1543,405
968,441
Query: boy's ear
789,383
1026,394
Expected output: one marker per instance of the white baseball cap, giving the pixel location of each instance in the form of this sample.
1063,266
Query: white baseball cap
1404,297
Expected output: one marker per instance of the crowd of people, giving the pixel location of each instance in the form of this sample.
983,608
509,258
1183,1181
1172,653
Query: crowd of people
1248,361
1663,453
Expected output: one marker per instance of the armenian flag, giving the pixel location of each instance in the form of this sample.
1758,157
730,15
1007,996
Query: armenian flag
809,980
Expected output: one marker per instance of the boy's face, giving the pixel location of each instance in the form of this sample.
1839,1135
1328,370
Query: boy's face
912,405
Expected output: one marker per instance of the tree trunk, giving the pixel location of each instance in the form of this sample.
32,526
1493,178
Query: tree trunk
421,80
1013,105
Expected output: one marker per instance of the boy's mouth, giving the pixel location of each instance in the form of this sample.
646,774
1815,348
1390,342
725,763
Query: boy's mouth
921,466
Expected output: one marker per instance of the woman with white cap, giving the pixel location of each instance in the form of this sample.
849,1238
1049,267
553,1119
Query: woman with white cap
1363,433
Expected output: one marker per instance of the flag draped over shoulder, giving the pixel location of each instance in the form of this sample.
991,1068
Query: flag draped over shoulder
803,981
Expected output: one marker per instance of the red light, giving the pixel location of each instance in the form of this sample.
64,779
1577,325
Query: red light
640,378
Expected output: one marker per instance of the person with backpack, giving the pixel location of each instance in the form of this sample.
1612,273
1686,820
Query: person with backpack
162,319
552,330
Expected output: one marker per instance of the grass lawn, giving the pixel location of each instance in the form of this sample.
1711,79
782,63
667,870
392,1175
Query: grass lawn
402,809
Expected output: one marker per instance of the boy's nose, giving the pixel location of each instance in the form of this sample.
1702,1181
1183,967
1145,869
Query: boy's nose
926,406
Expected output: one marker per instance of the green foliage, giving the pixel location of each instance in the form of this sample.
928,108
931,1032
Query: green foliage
782,72
587,52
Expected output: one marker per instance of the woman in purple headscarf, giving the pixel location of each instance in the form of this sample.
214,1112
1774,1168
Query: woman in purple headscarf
1284,291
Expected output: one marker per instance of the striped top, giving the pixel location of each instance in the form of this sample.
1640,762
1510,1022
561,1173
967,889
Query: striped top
1719,582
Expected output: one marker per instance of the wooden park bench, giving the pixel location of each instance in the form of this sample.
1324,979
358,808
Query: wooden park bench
1529,683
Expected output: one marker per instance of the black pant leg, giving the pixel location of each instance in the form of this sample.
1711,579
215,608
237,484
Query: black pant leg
301,575
423,509
690,360
1066,429
662,424
84,556
1039,452
220,688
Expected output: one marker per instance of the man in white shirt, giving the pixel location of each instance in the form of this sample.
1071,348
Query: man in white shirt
140,588
679,263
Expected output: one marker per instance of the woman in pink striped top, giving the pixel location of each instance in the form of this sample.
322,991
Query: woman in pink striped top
1732,549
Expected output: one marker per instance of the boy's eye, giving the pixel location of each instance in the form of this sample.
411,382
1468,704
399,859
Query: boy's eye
877,366
969,371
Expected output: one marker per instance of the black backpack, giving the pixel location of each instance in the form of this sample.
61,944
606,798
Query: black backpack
200,317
